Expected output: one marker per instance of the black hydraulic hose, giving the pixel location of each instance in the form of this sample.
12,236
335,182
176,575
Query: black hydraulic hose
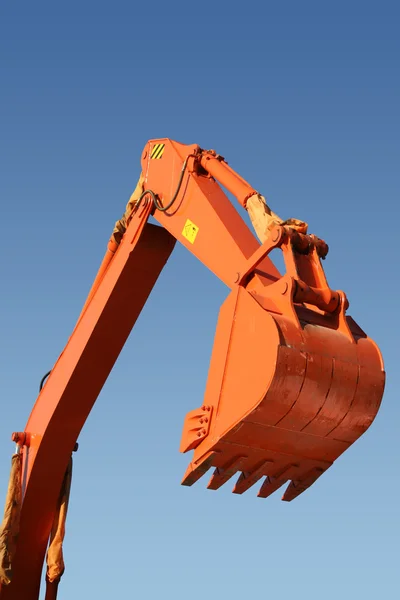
42,381
154,197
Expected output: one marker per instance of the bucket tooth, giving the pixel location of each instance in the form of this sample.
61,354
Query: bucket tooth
196,469
246,480
222,474
295,488
271,484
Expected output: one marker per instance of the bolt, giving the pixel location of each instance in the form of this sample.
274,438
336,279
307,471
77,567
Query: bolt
15,437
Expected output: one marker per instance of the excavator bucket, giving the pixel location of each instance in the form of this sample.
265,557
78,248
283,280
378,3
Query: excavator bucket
293,381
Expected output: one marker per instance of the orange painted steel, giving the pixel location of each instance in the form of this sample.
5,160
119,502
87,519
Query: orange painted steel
73,386
223,241
293,380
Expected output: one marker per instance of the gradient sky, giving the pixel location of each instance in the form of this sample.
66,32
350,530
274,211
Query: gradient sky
302,98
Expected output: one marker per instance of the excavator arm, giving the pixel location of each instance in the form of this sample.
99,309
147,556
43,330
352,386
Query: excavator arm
293,381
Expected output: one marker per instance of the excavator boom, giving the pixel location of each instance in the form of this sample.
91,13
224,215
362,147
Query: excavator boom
293,381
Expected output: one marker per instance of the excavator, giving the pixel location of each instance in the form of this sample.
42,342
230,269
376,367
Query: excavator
293,380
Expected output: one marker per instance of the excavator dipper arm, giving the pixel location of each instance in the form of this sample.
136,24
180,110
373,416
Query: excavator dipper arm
293,381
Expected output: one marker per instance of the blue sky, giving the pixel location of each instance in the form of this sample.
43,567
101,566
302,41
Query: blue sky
302,98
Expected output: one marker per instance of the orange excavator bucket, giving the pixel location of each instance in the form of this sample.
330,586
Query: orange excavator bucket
293,381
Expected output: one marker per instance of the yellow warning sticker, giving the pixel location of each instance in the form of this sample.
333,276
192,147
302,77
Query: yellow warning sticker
157,151
190,231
